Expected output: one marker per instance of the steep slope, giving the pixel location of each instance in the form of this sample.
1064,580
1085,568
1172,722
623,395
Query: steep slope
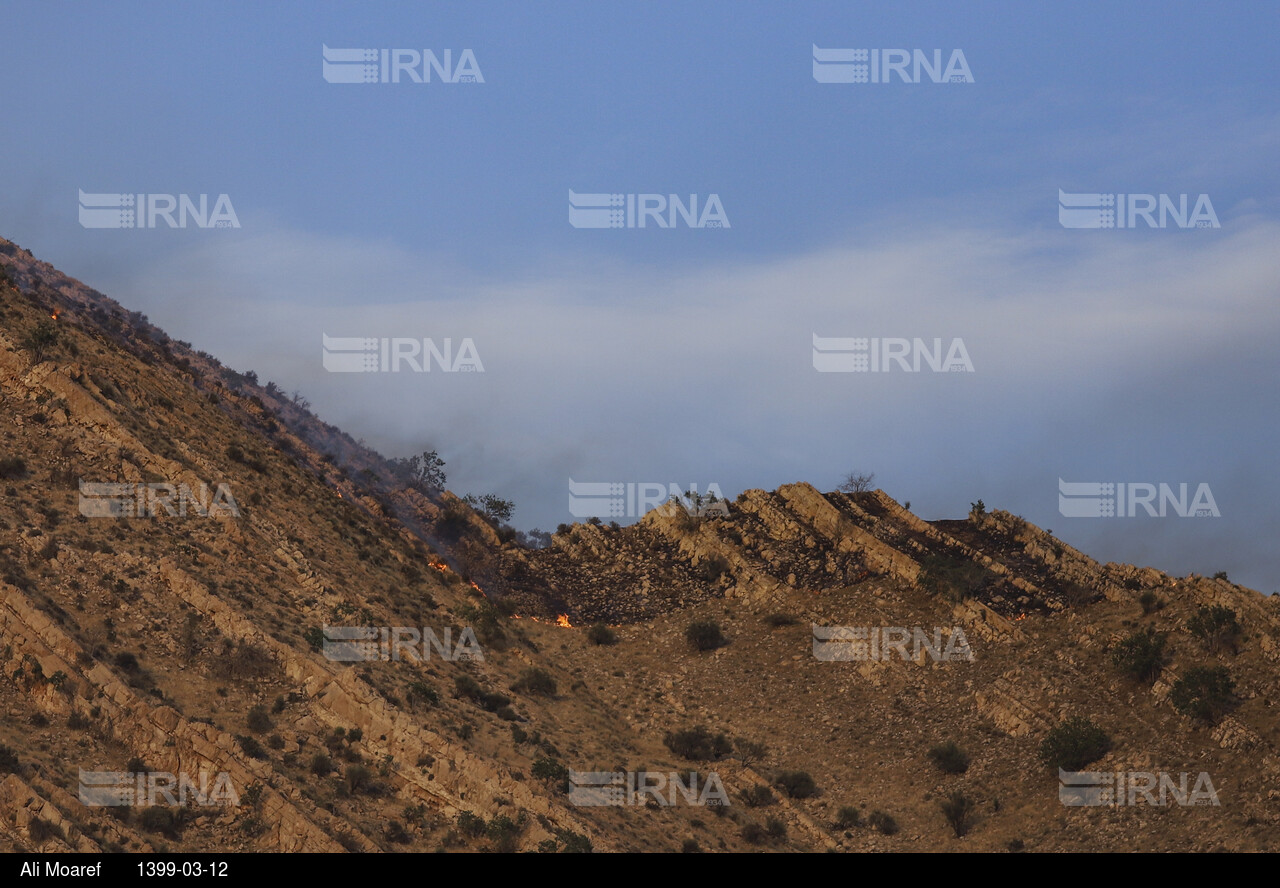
188,643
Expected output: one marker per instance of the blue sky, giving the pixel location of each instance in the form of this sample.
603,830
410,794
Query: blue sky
683,355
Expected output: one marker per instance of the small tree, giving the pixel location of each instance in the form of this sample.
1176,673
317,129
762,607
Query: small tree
42,337
1141,656
949,758
796,784
1216,627
1206,693
958,808
601,634
1074,743
856,483
705,635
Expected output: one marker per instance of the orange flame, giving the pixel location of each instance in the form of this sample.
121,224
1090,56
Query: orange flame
54,315
1019,617
563,620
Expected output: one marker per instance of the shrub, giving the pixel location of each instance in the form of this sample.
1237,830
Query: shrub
127,662
1206,693
395,832
258,720
698,744
777,620
1216,627
750,751
949,758
471,825
690,846
535,681
1141,656
321,765
315,638
753,833
550,770
704,635
12,467
958,808
601,634
1073,744
357,777
775,828
420,690
162,820
8,760
757,796
251,747
848,817
42,830
712,568
796,784
243,660
1150,602
953,579
882,823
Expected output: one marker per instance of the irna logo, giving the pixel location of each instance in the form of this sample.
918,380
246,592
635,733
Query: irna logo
1092,789
1117,499
118,789
645,211
111,499
359,644
631,499
861,643
352,354
395,65
880,66
145,210
601,788
880,355
1088,210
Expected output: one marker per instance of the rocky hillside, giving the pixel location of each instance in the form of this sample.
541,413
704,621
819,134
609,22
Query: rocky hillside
189,643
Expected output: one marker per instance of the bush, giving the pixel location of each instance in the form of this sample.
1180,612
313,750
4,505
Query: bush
796,784
882,823
777,620
42,830
535,681
1206,693
251,747
1150,602
753,833
550,770
712,568
848,817
1073,744
775,828
1216,627
690,846
162,820
698,744
1141,656
258,720
949,758
12,467
757,796
958,808
750,751
8,760
420,690
953,579
395,833
704,635
601,634
357,777
321,765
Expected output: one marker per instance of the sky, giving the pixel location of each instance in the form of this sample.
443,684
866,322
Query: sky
435,202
